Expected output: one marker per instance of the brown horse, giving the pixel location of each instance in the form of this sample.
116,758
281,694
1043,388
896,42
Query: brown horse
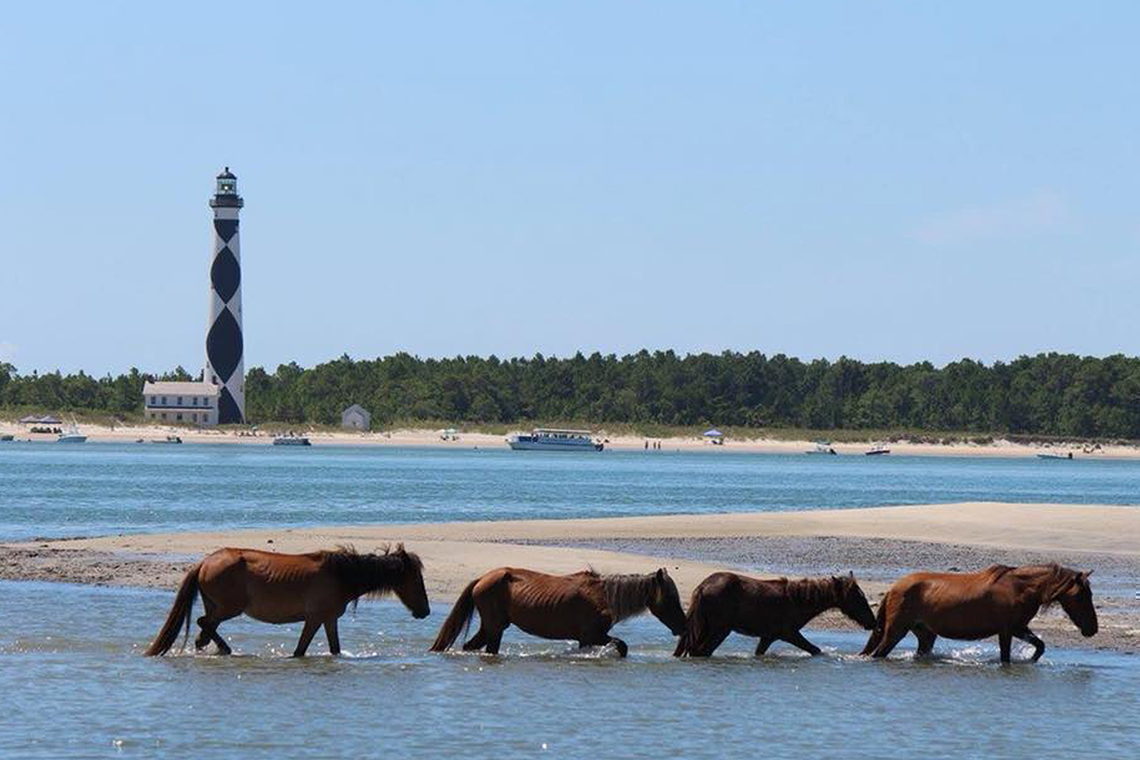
289,588
999,600
773,610
582,606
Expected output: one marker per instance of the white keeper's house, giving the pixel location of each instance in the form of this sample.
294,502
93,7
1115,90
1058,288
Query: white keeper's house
195,403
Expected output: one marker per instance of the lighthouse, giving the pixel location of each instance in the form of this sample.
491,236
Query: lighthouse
225,365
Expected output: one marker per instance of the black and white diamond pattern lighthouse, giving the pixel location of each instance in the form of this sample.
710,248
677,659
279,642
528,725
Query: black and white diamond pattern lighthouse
225,366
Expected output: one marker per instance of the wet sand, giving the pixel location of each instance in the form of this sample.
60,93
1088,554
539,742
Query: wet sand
878,544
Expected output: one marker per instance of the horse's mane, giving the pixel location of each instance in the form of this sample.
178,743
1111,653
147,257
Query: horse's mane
810,591
1049,580
374,573
626,595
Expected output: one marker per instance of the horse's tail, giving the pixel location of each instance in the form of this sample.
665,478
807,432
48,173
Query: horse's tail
690,642
179,615
458,620
880,626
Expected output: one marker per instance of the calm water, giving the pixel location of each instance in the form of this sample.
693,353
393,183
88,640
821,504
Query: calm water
57,490
75,685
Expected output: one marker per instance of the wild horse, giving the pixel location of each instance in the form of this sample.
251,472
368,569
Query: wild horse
582,606
289,588
772,610
998,601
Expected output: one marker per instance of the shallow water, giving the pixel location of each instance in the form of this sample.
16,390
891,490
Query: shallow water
75,685
48,489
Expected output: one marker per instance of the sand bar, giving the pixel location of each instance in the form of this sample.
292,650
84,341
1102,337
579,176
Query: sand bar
877,543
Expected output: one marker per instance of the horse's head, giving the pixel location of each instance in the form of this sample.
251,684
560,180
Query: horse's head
1076,600
851,600
410,586
665,602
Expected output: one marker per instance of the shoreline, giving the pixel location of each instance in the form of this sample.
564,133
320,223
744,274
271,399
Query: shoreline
878,544
421,437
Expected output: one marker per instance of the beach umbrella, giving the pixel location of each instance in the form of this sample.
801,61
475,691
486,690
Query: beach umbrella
714,433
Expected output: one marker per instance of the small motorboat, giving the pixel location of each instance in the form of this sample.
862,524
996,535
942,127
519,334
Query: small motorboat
168,439
71,435
823,447
1054,455
291,440
877,450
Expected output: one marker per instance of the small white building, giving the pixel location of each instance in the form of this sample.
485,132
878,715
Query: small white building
356,417
194,403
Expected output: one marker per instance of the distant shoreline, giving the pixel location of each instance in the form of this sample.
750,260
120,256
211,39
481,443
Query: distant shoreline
624,442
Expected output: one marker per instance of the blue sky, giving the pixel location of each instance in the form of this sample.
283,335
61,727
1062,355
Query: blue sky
897,181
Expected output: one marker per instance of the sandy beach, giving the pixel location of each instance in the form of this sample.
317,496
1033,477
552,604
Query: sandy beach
878,544
146,434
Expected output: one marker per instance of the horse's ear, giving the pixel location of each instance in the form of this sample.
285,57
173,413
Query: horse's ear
399,548
661,574
851,574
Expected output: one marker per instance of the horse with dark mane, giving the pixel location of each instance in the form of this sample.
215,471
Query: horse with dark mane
998,601
582,606
289,588
773,610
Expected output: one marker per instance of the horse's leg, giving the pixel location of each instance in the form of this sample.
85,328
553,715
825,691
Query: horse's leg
494,639
893,633
208,623
925,638
713,638
1038,645
333,636
307,634
621,646
478,641
1005,643
763,645
795,638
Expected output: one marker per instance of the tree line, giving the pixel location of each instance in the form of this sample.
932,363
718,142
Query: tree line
1048,394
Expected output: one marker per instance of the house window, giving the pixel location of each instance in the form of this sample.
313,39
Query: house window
194,401
152,400
180,401
164,415
164,400
179,417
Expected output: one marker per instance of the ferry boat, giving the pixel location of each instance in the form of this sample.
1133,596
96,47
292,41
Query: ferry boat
291,440
551,439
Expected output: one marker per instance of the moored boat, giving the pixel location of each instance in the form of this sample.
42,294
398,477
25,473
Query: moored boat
553,439
291,440
168,439
1054,455
877,450
822,447
71,435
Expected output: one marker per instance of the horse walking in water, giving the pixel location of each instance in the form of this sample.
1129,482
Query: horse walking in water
582,606
998,601
772,610
289,588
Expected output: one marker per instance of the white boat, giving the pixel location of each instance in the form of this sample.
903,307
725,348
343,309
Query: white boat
822,447
291,440
877,450
1054,455
71,435
552,439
